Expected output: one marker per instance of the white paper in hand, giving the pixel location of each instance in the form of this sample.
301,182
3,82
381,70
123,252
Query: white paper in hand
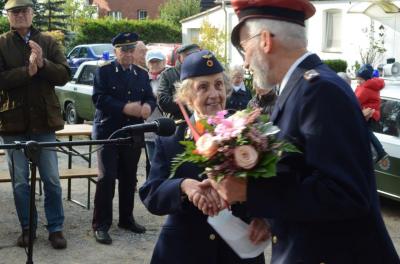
235,232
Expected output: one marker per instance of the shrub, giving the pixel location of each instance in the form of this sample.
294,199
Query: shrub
4,25
103,30
58,35
336,65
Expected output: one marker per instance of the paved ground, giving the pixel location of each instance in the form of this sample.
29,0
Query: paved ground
126,247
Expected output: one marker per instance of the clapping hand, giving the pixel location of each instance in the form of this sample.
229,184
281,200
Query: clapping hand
133,109
32,66
146,111
37,50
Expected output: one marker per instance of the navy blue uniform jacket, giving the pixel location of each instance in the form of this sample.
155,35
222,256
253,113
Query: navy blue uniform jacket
113,88
186,237
323,205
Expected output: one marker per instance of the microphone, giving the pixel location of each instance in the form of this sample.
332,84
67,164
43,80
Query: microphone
162,127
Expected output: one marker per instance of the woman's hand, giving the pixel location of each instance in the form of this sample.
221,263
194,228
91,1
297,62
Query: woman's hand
259,230
203,196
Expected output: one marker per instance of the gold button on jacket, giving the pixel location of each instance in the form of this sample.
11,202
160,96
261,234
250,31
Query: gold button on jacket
212,237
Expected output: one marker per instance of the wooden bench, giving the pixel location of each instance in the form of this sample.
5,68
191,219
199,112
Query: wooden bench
76,173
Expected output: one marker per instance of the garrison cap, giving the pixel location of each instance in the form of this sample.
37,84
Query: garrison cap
13,4
293,11
200,63
125,40
189,48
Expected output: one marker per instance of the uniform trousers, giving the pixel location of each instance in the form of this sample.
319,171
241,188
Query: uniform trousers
115,162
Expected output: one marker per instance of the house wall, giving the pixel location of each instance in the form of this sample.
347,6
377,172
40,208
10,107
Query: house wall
128,8
352,30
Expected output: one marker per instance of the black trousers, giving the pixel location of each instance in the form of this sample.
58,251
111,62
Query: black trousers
115,162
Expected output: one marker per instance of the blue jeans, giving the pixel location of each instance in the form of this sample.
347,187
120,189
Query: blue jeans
48,169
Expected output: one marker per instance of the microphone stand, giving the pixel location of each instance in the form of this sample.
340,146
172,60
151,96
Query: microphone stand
32,150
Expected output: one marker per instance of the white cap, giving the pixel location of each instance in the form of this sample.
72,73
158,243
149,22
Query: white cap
154,54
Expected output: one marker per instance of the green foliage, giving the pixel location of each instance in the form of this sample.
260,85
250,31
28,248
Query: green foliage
2,3
336,65
4,25
49,15
213,39
58,35
103,30
187,156
77,12
173,11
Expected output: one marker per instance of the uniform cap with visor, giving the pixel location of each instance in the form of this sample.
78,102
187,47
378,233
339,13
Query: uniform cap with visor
125,40
292,11
15,4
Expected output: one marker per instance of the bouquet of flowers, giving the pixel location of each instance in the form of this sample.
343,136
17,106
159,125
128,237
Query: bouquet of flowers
241,145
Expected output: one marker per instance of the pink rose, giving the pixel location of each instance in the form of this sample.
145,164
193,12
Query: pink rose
246,157
206,145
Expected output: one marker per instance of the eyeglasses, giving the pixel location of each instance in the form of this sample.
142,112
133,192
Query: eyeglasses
18,11
240,46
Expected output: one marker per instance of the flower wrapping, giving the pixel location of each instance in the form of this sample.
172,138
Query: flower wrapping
241,145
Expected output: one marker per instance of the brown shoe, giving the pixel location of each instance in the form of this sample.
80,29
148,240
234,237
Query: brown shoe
57,240
23,239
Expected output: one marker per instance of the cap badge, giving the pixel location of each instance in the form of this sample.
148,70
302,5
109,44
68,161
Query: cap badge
209,62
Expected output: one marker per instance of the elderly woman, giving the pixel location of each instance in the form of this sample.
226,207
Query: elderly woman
186,237
240,95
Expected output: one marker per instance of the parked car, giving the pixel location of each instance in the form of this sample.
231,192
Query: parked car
388,132
75,97
88,52
168,49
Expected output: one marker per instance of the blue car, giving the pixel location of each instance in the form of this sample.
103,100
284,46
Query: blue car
88,52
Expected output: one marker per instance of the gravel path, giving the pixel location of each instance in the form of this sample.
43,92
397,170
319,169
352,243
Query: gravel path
82,248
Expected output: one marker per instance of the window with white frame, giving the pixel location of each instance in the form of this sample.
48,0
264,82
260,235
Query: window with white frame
115,14
193,35
333,31
141,14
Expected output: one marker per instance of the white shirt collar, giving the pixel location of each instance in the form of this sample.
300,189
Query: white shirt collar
291,70
241,86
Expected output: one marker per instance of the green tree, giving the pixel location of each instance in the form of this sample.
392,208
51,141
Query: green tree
174,11
213,39
77,11
49,15
2,3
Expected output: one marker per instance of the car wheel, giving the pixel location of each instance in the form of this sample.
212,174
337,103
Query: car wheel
71,116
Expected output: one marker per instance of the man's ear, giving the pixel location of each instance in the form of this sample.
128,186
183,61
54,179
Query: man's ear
266,41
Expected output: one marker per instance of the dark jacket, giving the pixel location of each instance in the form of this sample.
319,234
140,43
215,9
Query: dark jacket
265,101
238,100
113,88
166,92
186,237
323,204
29,104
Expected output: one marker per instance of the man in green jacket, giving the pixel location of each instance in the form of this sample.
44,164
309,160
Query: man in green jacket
31,64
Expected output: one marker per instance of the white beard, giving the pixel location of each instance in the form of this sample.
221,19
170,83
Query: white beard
261,71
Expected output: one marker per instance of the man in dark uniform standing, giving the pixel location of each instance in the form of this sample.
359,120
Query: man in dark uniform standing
122,96
168,78
322,205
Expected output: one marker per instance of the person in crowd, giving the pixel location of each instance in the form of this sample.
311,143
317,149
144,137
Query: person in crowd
322,205
122,96
155,61
265,99
168,78
31,64
186,236
368,94
240,95
139,56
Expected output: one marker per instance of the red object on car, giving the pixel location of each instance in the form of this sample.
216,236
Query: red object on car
168,49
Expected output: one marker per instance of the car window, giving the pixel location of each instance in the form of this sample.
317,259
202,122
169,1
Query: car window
87,75
83,53
389,124
74,53
99,49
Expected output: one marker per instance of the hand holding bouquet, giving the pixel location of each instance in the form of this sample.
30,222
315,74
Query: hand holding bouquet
241,145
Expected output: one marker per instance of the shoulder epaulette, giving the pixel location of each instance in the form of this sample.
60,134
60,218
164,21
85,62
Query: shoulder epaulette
311,75
104,63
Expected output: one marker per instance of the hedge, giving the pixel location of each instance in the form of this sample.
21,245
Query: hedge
337,65
103,30
4,26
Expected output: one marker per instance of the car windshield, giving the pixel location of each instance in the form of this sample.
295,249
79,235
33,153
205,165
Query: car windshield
99,49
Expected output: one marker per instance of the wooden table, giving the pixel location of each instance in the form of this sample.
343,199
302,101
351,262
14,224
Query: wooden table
76,130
